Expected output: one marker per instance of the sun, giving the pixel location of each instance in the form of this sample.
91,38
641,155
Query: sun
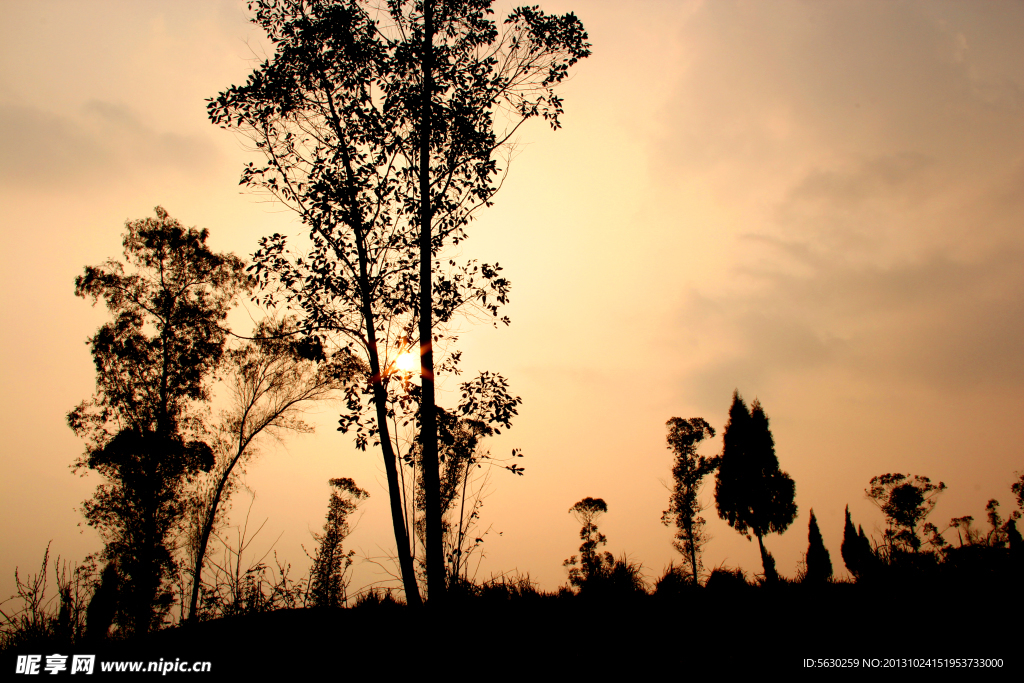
408,362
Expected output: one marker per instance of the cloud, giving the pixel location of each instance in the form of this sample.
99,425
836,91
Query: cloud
100,143
941,323
42,149
783,83
880,175
862,166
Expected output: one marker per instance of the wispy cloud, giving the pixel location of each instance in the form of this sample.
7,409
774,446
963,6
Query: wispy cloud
101,142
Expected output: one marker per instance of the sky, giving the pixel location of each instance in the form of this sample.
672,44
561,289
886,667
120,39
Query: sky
817,204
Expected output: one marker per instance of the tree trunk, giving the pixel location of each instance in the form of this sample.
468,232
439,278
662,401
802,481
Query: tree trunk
767,562
204,537
380,397
693,551
428,412
380,401
145,575
412,591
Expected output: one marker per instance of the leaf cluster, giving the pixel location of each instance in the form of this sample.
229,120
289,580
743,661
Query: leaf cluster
485,404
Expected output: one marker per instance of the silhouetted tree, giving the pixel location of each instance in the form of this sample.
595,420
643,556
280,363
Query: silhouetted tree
377,126
327,587
905,501
153,363
856,549
272,377
1013,537
819,563
997,536
998,532
869,553
688,472
592,564
751,492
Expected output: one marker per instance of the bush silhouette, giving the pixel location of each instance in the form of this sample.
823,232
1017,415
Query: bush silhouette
727,580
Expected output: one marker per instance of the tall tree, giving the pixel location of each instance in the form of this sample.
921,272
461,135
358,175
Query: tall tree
154,362
688,472
751,492
378,129
593,564
819,563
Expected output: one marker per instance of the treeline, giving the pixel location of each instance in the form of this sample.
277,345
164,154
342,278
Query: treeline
751,492
170,468
757,498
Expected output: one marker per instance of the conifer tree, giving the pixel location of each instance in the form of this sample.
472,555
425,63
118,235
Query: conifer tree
868,560
751,492
819,563
851,546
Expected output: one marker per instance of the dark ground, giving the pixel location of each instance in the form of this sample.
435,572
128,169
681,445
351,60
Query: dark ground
714,634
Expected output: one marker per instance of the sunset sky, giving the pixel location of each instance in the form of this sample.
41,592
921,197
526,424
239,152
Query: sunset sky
818,204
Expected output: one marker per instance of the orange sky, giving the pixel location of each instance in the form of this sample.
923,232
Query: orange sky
817,204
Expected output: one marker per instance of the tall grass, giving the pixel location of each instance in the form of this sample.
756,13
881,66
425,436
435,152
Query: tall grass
34,616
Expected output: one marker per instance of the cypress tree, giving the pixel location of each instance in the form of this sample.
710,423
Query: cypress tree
866,554
819,564
751,492
851,546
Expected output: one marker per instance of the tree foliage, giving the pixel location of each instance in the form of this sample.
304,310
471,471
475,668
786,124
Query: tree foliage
856,550
906,501
591,564
999,534
752,494
688,472
378,127
327,585
485,406
143,431
819,563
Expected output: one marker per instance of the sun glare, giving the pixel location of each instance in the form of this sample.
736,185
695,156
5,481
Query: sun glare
407,362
